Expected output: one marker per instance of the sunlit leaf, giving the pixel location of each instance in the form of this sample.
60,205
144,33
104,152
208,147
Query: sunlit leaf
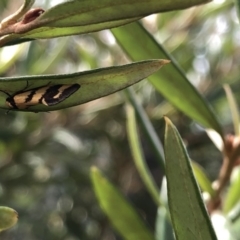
215,137
172,82
82,14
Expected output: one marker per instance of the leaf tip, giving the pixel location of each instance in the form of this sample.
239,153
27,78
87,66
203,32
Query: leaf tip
165,61
8,218
96,174
167,120
169,125
94,169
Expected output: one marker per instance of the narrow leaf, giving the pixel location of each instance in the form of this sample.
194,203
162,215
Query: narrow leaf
138,157
121,214
202,179
234,216
82,13
215,137
233,195
172,82
188,213
147,127
94,84
233,107
52,32
163,227
237,3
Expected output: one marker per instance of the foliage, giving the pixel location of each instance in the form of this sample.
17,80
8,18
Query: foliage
46,157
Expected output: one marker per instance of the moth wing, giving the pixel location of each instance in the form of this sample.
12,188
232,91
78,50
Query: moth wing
58,93
24,100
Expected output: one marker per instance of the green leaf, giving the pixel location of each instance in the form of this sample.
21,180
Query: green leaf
188,213
202,179
121,214
172,82
233,194
52,32
147,127
163,227
82,16
237,3
138,157
8,218
94,84
84,12
234,108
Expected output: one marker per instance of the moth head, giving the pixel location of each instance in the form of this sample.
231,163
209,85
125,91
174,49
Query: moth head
10,102
9,99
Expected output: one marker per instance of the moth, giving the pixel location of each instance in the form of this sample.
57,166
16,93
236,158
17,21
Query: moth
47,95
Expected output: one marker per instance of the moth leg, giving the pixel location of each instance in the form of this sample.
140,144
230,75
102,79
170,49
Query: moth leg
25,87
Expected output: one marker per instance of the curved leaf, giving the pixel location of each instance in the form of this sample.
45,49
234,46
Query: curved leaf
94,84
147,126
84,12
52,32
121,214
188,213
138,157
98,14
172,83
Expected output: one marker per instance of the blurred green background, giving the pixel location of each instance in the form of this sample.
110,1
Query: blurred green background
45,158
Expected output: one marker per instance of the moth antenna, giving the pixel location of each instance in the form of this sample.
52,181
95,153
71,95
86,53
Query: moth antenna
6,93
